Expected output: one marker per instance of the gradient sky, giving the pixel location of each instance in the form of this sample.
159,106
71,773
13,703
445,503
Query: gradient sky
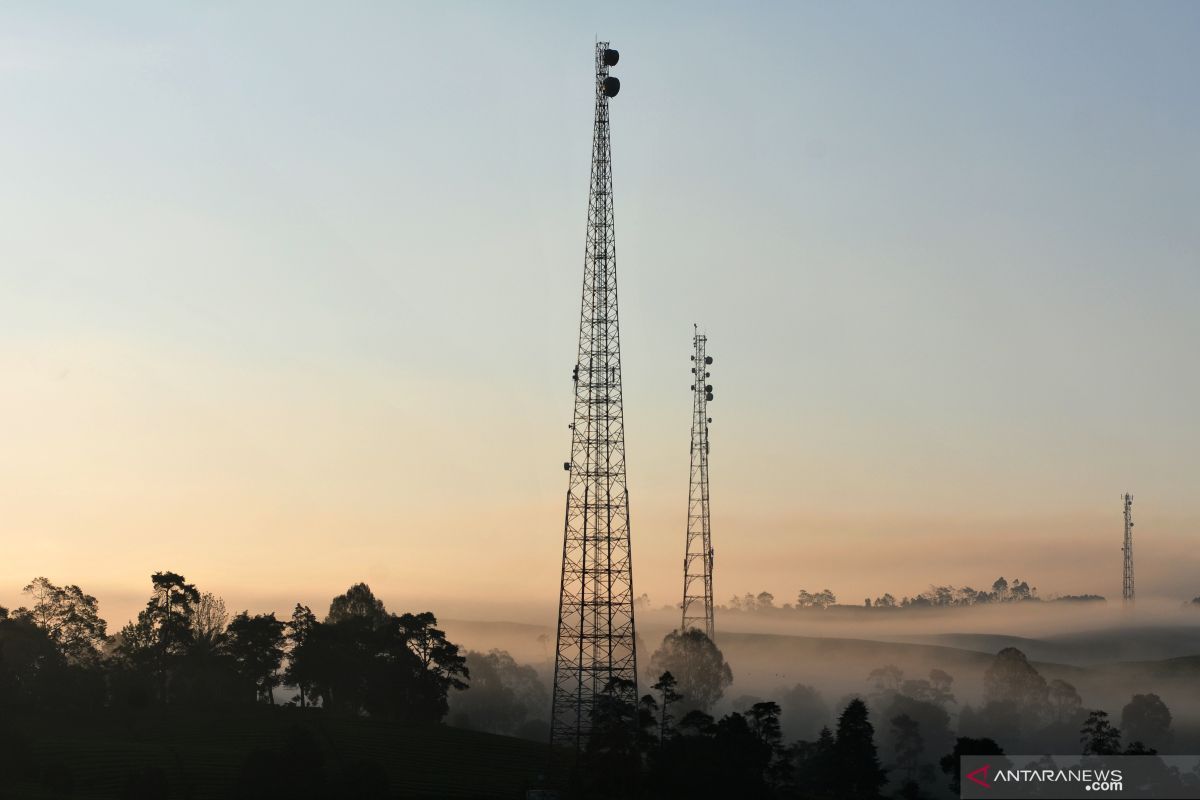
289,294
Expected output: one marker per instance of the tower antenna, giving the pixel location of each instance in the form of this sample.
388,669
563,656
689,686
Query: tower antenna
1127,549
698,554
596,652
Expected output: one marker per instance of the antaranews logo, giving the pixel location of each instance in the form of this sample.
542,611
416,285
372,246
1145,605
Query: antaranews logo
976,776
1001,777
1090,780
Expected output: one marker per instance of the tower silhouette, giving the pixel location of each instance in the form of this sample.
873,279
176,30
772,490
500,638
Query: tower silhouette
698,554
596,651
1127,549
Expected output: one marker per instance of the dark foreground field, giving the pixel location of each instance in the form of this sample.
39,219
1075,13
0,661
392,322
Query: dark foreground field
256,753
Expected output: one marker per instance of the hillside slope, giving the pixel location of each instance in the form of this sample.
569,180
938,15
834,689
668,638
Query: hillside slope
201,754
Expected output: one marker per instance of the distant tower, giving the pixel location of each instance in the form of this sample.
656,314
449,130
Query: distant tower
1127,576
596,643
698,555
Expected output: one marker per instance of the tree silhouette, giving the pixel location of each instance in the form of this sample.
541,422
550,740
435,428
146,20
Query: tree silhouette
505,697
163,630
302,622
365,660
1098,735
907,745
886,680
941,688
1011,680
441,667
256,646
858,773
209,621
1064,701
804,711
928,721
26,655
358,601
69,617
1146,719
611,761
697,664
815,764
666,690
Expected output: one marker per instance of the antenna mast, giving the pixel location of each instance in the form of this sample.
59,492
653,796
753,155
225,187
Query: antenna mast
698,555
1127,549
595,653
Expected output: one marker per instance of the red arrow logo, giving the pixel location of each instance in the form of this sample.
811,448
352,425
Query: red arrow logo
971,776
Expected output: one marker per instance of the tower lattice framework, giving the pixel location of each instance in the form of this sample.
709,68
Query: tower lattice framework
1127,550
596,650
698,555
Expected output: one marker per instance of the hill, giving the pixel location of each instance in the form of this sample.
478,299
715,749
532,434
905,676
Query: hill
201,754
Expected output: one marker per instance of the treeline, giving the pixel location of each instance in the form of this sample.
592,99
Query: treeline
184,649
896,739
1002,591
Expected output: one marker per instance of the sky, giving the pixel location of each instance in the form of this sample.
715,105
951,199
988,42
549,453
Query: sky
289,294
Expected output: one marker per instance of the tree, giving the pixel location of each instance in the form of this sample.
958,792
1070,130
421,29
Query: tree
1012,680
743,758
930,719
822,599
763,719
163,631
858,773
409,669
1147,719
611,762
886,601
814,761
210,620
27,655
297,631
966,746
886,679
907,745
365,660
1064,701
666,690
358,601
69,617
170,610
504,697
442,668
697,664
256,645
804,711
941,684
1098,735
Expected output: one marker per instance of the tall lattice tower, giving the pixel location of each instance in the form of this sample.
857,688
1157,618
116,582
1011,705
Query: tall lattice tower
698,555
1127,549
596,645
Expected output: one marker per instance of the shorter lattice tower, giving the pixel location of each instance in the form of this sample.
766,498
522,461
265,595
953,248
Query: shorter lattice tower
1127,549
698,555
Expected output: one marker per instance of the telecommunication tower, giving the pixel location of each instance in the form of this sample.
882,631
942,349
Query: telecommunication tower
596,649
1127,549
698,555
